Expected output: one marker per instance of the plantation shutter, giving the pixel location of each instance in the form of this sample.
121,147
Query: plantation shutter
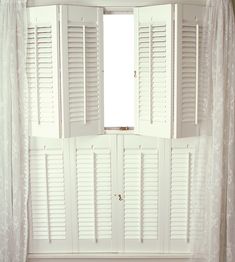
154,43
141,160
93,170
49,208
186,174
82,77
42,71
188,81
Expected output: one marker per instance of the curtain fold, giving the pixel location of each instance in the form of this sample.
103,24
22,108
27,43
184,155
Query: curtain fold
13,132
217,241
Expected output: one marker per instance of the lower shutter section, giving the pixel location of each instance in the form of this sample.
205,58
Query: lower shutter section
185,195
49,214
93,175
114,193
141,157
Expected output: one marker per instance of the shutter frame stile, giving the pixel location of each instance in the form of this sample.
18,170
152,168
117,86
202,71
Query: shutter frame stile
158,85
81,18
44,18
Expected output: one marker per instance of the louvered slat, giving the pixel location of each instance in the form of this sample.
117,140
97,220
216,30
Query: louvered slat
189,78
40,74
182,168
141,194
47,195
83,73
93,168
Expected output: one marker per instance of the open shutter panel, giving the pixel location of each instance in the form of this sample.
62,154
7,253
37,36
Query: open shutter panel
153,39
188,44
141,159
81,42
42,71
49,206
92,176
185,194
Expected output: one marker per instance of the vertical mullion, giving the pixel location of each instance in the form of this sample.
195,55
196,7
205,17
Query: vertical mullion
47,195
141,193
150,74
189,197
84,75
94,193
36,74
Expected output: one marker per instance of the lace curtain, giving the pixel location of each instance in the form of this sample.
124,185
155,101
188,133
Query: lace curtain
217,243
13,132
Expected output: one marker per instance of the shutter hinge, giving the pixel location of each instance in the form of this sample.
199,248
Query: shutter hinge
135,74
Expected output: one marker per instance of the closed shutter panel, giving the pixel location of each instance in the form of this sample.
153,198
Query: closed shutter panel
185,194
187,77
49,209
92,176
154,70
141,158
42,71
81,41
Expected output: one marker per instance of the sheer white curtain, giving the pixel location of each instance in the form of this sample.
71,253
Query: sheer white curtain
218,241
13,132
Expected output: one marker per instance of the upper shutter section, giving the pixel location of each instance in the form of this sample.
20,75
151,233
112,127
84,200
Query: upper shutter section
82,65
42,71
188,81
154,35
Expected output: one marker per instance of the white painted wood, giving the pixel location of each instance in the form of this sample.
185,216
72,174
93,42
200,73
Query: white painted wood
82,66
141,162
114,3
50,225
183,193
43,71
128,257
92,172
188,41
154,63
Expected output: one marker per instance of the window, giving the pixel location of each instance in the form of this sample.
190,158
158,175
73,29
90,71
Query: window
118,75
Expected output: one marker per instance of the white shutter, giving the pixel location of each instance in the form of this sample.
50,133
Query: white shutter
184,195
188,44
92,161
50,225
141,224
42,71
154,36
81,54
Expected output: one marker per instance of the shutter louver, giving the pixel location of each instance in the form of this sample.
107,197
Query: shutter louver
82,77
93,195
49,229
187,70
141,194
154,74
42,72
185,195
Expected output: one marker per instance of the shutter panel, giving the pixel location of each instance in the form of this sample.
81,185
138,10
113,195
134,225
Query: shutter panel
81,41
154,34
49,206
93,172
188,44
42,71
184,195
141,160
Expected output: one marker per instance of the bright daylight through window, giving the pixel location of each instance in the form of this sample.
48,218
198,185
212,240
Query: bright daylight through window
118,70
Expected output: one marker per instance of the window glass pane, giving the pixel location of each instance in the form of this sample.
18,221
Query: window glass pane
118,70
